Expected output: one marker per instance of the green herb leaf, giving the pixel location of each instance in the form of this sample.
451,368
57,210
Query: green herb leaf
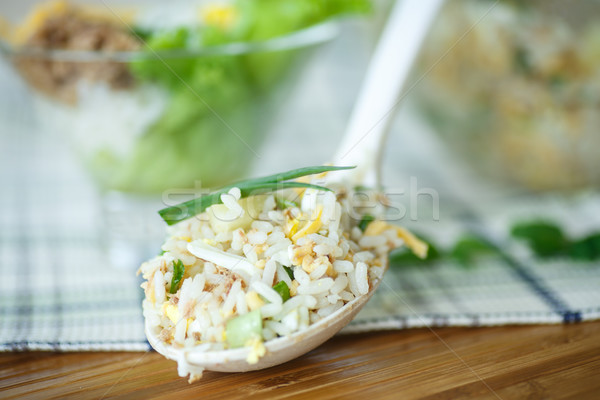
141,33
586,249
292,174
365,221
362,188
178,271
405,257
469,248
522,61
545,238
283,290
282,203
190,208
289,271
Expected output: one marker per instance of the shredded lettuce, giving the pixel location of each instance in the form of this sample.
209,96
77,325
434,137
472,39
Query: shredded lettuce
217,104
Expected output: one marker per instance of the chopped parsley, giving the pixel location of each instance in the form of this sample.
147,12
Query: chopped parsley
365,221
289,271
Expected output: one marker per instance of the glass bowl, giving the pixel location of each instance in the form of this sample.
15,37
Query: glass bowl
155,117
152,122
514,89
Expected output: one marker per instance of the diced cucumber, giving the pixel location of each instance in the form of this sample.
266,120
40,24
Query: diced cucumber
240,330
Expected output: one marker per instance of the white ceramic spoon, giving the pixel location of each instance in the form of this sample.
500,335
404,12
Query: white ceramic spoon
278,350
395,53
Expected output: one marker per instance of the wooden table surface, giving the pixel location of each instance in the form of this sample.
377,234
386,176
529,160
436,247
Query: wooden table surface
533,362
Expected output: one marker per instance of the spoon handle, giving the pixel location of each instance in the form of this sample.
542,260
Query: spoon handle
388,69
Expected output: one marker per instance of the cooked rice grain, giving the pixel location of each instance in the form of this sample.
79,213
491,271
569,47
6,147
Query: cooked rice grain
231,272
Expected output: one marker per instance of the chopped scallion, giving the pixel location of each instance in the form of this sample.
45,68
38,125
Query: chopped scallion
178,271
251,187
282,288
283,204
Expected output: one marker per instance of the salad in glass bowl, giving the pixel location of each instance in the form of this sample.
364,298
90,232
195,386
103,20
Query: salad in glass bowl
157,96
514,88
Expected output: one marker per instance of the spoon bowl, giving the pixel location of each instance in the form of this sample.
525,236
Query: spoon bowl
278,350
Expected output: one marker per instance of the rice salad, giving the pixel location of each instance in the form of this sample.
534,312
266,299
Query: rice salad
252,269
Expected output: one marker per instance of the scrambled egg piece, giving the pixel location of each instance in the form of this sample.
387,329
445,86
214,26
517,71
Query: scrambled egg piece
171,311
260,264
291,227
257,350
294,288
254,301
412,242
220,15
299,253
210,242
415,244
311,226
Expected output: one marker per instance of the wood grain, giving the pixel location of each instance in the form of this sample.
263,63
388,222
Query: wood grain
554,362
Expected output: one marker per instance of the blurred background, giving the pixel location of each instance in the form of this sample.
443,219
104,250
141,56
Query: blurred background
111,109
145,101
